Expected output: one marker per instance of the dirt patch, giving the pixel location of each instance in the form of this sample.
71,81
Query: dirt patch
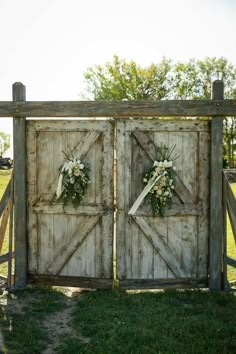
13,304
58,325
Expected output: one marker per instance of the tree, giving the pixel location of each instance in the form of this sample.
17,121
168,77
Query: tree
4,142
118,80
121,80
193,80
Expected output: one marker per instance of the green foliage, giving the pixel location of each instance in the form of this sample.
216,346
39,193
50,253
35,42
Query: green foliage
4,142
75,181
162,171
121,80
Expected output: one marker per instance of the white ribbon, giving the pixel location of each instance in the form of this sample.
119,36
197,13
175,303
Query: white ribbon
145,191
59,185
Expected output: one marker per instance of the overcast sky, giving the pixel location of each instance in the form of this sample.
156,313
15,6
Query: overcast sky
48,44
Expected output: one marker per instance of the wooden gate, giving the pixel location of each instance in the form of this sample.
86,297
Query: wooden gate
170,251
70,246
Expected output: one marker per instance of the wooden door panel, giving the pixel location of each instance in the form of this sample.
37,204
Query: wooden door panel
63,241
163,248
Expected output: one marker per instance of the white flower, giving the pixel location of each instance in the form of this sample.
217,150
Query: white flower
81,166
156,163
72,180
77,172
174,168
145,180
160,164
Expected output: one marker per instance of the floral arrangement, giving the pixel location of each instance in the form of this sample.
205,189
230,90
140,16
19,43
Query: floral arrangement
73,181
162,178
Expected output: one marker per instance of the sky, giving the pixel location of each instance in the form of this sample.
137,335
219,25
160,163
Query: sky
48,44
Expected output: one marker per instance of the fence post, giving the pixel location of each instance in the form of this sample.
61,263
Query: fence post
216,210
20,191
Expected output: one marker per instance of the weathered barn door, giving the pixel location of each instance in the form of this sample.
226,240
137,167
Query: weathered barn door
169,251
70,246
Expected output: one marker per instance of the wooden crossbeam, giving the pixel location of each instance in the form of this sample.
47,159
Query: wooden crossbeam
5,198
167,108
5,257
4,222
67,250
231,261
231,207
157,241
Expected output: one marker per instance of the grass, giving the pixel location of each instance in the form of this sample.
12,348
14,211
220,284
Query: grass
118,321
171,322
22,325
122,322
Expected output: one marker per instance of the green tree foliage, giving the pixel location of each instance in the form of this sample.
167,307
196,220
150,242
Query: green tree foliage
4,142
119,80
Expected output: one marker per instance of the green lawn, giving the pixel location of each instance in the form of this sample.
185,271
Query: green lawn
115,321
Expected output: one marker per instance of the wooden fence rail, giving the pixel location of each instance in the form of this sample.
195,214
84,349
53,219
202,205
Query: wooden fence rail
6,215
120,109
229,206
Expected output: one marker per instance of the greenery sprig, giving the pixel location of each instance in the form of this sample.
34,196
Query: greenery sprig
74,180
160,196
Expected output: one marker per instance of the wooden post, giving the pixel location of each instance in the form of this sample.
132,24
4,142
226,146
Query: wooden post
20,191
216,210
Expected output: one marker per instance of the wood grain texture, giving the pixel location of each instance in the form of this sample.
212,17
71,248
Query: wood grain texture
20,227
151,149
5,198
162,247
82,282
10,238
60,239
231,206
216,215
121,219
191,108
4,222
163,283
138,257
203,196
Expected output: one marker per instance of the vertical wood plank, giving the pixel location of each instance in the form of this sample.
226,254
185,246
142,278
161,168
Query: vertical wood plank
20,191
107,200
216,214
175,223
32,219
204,188
10,239
189,223
121,220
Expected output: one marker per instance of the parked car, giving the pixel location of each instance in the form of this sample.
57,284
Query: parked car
5,163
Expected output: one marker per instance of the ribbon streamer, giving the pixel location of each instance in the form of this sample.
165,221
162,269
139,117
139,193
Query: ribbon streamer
59,185
143,194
